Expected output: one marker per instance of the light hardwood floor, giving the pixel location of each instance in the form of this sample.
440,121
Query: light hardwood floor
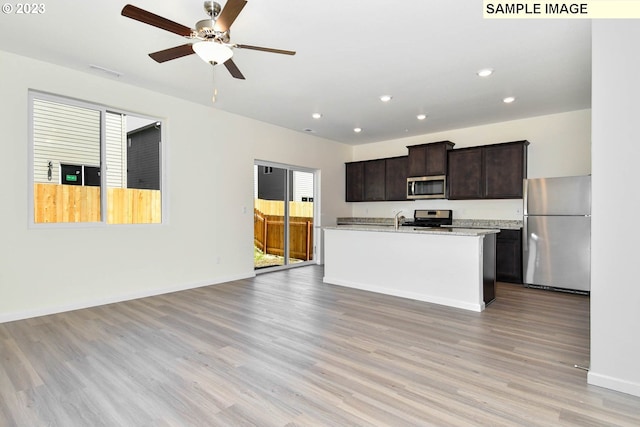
284,349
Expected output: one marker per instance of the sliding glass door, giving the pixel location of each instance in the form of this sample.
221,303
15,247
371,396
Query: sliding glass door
283,215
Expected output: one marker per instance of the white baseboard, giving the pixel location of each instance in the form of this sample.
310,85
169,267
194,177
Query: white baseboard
410,295
45,311
617,384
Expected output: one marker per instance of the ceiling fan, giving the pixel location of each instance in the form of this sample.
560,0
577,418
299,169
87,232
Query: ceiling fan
213,37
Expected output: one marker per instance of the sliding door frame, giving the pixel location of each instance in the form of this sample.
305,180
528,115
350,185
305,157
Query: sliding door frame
316,210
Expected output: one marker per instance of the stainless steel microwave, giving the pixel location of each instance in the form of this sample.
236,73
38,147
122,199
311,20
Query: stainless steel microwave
427,187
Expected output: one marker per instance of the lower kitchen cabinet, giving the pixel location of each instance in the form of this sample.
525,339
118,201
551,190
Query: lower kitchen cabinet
509,256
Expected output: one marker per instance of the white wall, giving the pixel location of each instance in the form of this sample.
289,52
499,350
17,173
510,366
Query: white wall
560,146
210,183
615,289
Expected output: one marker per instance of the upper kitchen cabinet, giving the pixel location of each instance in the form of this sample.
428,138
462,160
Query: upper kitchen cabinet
374,180
429,159
465,174
365,181
355,182
505,168
488,172
396,178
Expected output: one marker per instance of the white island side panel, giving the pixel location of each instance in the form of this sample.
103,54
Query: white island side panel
437,268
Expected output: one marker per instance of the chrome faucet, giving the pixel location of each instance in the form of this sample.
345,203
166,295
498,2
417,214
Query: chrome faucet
397,219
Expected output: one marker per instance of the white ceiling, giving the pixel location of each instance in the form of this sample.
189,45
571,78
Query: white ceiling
424,53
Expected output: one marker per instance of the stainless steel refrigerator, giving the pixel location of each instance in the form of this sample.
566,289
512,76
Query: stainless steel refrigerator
557,233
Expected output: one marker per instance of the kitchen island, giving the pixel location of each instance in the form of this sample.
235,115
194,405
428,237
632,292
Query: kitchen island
448,266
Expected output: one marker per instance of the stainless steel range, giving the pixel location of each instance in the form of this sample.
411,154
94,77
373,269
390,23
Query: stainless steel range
430,218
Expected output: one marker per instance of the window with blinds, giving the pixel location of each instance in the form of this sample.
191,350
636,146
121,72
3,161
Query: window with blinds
70,143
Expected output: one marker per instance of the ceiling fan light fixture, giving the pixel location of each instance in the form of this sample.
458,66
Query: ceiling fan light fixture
212,52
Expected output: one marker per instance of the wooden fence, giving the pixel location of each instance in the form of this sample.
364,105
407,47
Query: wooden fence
77,203
268,232
66,203
133,206
276,207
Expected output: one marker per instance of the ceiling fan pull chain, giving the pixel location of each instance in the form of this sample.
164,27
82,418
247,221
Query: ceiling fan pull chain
213,79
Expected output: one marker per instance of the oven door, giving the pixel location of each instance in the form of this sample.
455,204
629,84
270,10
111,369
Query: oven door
427,187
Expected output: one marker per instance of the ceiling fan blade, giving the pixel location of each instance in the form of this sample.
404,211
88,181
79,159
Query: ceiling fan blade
265,49
142,15
229,14
172,53
233,69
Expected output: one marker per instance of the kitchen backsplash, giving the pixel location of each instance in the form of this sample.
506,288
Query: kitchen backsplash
507,209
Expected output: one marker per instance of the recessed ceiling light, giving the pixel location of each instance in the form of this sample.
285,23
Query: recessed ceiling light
316,115
308,130
357,130
485,72
385,98
509,99
421,116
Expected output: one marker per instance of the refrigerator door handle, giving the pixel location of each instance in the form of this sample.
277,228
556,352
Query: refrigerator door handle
524,197
525,236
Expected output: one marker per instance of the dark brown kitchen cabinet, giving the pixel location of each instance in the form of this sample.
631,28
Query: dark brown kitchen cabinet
465,174
488,172
429,159
374,180
365,181
509,256
505,167
396,178
355,182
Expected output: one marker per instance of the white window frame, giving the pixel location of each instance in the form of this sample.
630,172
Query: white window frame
33,95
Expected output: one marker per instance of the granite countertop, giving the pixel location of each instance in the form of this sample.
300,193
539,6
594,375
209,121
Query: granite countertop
451,231
503,224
